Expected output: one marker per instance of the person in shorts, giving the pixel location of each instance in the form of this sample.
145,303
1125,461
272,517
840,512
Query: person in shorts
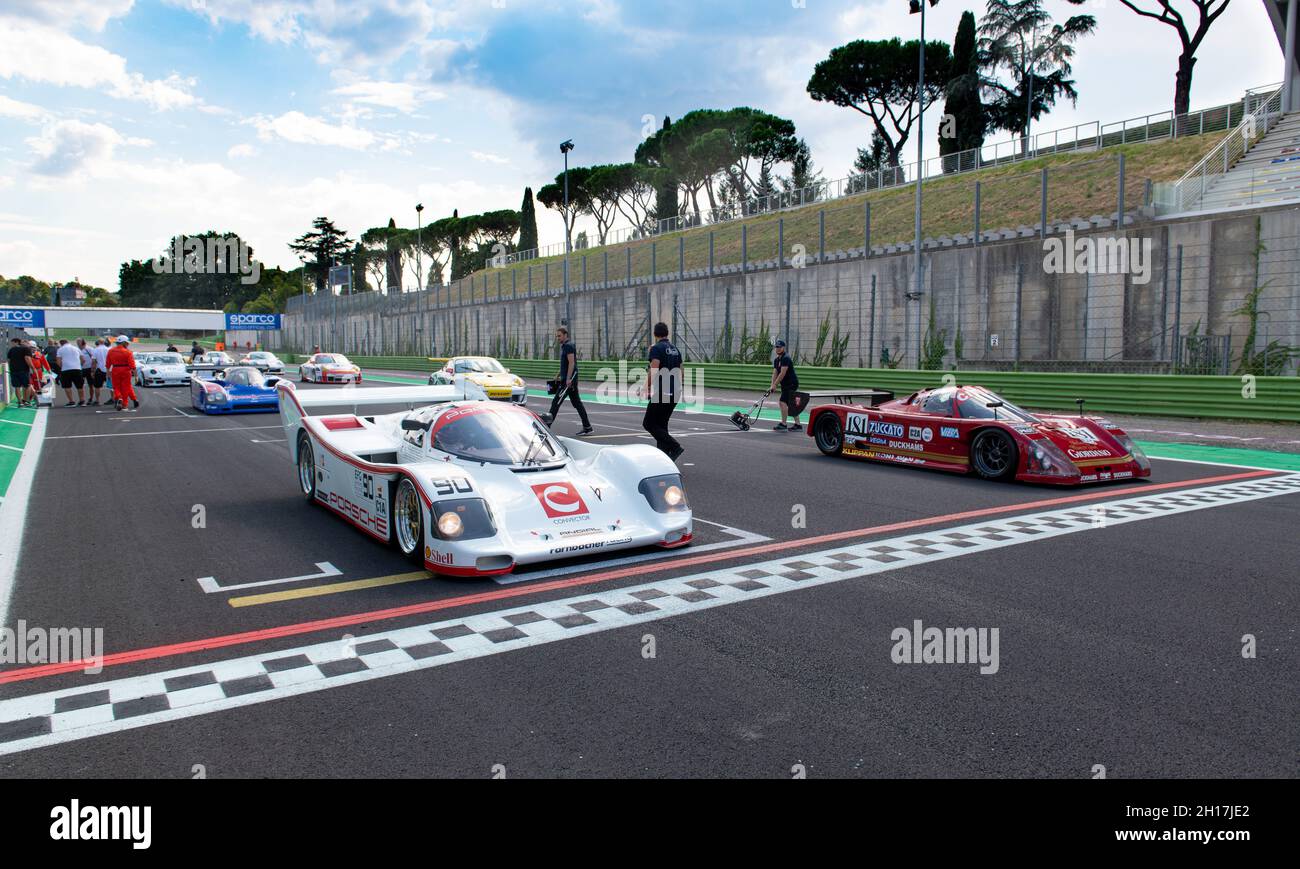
70,376
20,372
786,380
99,375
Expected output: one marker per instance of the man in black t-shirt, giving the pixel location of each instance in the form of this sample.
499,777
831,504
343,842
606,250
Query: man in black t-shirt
785,379
662,386
20,372
567,384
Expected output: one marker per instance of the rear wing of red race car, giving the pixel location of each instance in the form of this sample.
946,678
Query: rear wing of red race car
863,397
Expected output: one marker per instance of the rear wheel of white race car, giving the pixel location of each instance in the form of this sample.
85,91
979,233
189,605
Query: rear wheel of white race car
306,468
408,521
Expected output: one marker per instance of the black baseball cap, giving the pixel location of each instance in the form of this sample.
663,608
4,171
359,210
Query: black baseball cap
780,342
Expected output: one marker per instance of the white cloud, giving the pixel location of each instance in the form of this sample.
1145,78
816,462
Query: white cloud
42,54
238,151
484,157
89,13
305,130
402,96
6,181
70,147
11,108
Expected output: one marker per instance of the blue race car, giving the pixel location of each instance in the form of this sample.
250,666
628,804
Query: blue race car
242,389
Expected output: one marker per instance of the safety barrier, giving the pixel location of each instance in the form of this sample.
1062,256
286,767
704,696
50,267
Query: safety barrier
1275,399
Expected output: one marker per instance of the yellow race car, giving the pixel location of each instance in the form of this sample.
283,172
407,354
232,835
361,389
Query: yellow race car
483,371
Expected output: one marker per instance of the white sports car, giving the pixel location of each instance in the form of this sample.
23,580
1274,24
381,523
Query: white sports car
329,368
471,487
161,369
263,361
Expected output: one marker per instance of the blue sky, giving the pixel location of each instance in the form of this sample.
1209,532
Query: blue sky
123,123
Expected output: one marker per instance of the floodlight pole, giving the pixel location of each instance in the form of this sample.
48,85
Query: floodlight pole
565,147
919,6
419,255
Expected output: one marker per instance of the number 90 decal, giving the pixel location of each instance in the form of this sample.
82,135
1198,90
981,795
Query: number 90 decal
454,486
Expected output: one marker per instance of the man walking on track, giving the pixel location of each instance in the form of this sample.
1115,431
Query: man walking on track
661,391
70,373
567,384
121,369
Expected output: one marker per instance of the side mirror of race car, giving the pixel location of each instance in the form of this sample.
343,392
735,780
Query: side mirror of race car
994,405
272,381
409,424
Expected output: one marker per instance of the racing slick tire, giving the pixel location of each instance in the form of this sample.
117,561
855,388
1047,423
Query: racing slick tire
302,375
407,516
993,454
306,468
829,434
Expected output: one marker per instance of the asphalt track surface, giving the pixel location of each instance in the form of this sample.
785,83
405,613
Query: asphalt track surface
1120,643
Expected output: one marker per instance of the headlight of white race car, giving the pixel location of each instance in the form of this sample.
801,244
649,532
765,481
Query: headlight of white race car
463,519
665,493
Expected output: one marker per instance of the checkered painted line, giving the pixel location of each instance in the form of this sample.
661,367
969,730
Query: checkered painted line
76,713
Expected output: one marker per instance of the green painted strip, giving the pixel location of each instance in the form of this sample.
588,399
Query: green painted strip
13,436
1222,455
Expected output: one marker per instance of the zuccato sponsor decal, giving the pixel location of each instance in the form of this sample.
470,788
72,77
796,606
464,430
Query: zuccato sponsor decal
861,424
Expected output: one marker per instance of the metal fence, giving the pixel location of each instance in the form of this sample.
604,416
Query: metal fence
1151,299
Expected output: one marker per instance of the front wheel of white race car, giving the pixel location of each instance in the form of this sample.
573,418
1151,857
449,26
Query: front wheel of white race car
306,468
408,521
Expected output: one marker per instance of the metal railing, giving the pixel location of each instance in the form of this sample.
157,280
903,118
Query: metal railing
1189,191
1089,136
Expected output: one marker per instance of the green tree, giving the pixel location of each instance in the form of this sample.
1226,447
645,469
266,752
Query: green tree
650,155
552,196
528,222
326,244
964,108
879,80
1018,39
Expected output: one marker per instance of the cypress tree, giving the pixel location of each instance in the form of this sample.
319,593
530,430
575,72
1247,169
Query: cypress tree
528,222
963,104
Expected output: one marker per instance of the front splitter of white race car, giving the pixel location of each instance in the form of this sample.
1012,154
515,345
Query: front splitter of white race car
506,551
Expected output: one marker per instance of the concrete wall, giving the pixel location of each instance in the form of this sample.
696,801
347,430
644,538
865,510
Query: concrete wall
1011,309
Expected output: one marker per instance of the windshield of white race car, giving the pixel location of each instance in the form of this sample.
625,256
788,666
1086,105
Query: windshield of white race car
501,436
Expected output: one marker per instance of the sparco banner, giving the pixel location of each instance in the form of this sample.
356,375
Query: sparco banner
24,318
255,322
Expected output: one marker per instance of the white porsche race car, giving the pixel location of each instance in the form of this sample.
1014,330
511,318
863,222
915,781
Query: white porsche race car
471,487
161,369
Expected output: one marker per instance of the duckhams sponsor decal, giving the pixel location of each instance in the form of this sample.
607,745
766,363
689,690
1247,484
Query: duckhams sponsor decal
861,424
560,500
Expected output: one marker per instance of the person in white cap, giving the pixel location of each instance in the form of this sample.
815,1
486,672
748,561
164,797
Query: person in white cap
121,370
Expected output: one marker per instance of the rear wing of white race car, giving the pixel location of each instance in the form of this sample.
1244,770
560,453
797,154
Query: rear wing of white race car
296,404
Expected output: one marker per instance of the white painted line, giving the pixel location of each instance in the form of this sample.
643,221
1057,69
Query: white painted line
16,422
740,538
127,434
272,441
7,447
274,675
184,414
209,583
13,512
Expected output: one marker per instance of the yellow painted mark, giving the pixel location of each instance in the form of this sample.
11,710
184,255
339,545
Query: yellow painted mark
329,588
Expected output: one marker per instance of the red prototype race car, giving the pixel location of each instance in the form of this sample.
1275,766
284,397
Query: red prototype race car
969,428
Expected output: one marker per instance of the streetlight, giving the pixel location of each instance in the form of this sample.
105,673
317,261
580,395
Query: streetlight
419,259
565,147
915,7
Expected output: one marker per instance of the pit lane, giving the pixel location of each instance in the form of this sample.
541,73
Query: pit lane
134,567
